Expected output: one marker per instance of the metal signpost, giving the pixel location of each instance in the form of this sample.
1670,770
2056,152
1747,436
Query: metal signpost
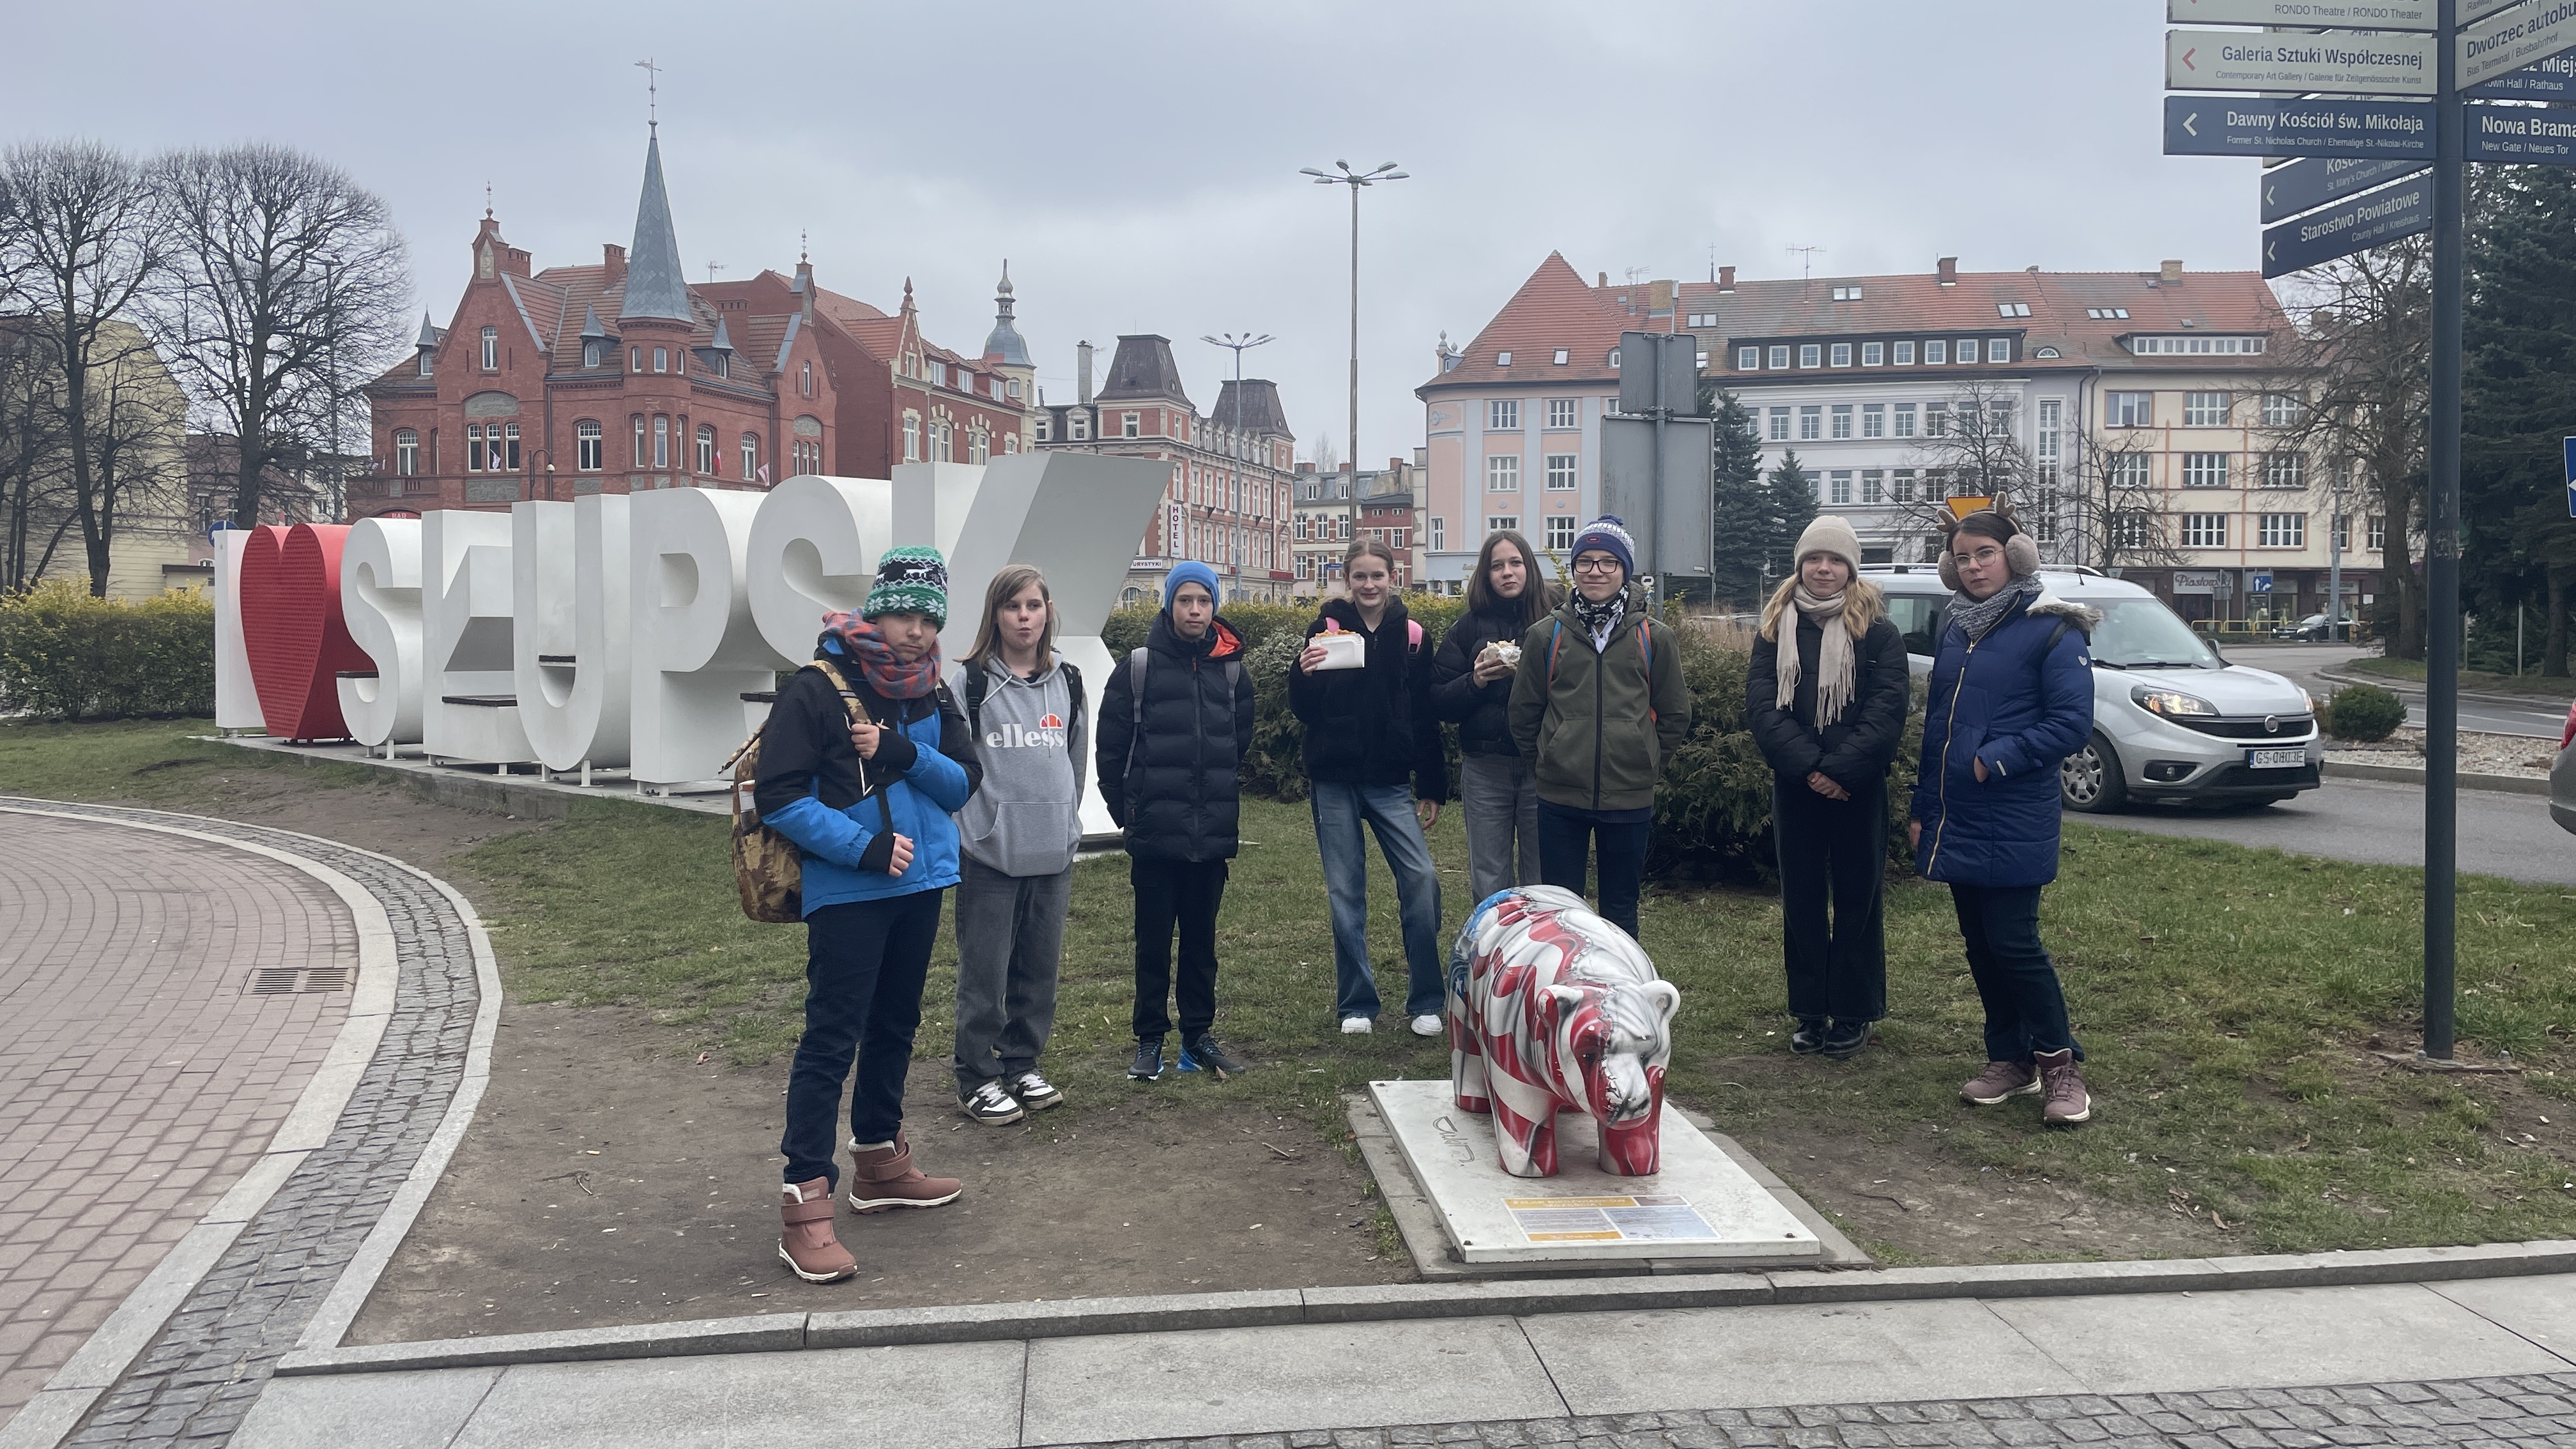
2306,184
1658,468
2512,49
2273,126
2567,447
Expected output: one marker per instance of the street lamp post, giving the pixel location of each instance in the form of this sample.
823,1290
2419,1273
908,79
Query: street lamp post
331,380
1356,181
1239,345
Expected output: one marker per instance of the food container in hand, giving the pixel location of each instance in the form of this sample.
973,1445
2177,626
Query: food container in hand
1506,652
1342,651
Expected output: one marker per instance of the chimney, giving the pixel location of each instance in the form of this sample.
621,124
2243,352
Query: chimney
1949,271
1726,279
2172,271
1082,371
1659,299
1305,465
612,258
1604,283
805,287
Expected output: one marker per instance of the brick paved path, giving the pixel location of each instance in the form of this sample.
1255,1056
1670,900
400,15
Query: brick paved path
201,1372
2511,1413
139,1077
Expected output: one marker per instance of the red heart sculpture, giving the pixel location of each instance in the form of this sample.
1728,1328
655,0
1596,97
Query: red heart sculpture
293,630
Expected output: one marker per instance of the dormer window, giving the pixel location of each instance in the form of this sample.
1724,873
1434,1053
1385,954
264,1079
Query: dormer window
724,364
1081,427
428,362
590,353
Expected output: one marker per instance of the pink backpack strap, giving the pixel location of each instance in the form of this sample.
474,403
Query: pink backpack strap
1413,635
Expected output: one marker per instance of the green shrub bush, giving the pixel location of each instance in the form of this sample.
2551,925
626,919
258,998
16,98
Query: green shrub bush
1713,814
65,655
2364,712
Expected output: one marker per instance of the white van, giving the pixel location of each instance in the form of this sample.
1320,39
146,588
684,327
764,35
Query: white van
2173,722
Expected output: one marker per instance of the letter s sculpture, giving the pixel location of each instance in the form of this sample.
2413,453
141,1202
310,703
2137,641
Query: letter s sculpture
1551,1007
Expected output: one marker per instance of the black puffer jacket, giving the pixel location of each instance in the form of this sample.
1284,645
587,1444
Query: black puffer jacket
1853,749
1173,787
1482,712
1375,725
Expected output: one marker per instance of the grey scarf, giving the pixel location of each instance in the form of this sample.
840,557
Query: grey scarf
1834,661
1980,616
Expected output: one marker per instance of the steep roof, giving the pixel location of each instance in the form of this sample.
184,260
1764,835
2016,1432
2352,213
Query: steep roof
1554,309
1003,344
1261,415
656,284
1144,370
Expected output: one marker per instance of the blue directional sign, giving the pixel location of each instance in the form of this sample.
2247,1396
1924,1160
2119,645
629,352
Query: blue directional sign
2523,135
2258,583
2356,223
2553,79
2274,126
2568,447
2308,184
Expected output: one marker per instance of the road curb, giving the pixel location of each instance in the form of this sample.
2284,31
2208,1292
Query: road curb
991,1322
2408,686
2502,784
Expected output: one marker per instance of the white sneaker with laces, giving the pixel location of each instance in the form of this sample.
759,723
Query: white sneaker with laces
991,1104
1356,1026
1427,1025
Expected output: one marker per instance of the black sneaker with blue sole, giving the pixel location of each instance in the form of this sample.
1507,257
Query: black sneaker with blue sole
1149,1060
1203,1053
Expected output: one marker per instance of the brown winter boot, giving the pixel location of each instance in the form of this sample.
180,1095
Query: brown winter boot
2068,1102
2001,1081
886,1178
806,1243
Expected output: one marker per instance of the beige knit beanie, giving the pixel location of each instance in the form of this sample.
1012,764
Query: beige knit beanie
1830,533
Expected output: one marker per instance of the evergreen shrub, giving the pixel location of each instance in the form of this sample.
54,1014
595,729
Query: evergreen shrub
2364,712
66,655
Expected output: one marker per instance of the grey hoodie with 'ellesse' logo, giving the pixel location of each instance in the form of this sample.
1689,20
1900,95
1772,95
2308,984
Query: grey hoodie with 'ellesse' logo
1025,818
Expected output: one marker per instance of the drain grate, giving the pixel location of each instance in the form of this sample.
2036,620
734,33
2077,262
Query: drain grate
283,980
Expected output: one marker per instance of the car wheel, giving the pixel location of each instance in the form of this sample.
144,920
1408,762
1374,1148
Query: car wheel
2090,780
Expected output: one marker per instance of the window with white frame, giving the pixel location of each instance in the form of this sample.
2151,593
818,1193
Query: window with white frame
1967,349
2343,531
2204,530
1561,357
2129,471
2107,314
1046,428
1131,425
1502,359
1079,423
1873,354
1842,420
1936,420
1936,352
1503,413
506,454
751,457
1873,485
1873,420
2043,525
2048,441
706,448
1779,358
1811,422
407,451
2012,309
1560,532
1811,355
912,437
1999,349
2377,533
1846,294
2285,470
1905,420
1838,487
491,349
1748,359
1503,474
1999,419
640,454
1903,485
1842,354
1779,421
661,441
2129,409
2204,470
662,359
2230,346
1439,533
2205,409
2282,530
1498,522
428,362
1562,472
586,446
1903,354
2284,410
1564,412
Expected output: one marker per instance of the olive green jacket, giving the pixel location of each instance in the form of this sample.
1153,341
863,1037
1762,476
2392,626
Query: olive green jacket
1597,726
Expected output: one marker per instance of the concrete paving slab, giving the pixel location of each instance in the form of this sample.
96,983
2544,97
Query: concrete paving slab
869,1327
1634,1363
421,1410
1282,1380
958,1396
2540,1309
2273,1338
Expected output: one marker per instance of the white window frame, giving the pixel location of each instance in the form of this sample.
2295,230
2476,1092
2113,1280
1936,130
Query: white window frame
1564,413
1503,415
2287,468
1778,432
1811,422
1838,486
407,453
1902,354
491,349
1873,354
1560,532
1564,472
1842,421
1936,354
2207,409
2281,530
1131,425
1873,485
2204,530
1842,354
2128,409
1779,359
2204,470
1748,359
1905,420
1503,473
1499,523
1901,485
1873,420
1811,354
2284,409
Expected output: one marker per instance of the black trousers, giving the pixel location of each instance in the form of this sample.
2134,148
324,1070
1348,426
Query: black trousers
1566,837
864,966
1186,894
2016,980
1832,851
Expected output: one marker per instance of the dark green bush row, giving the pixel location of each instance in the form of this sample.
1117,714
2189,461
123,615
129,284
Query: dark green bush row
65,655
1712,816
2364,712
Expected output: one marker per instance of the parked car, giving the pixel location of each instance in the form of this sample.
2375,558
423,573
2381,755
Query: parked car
2313,627
2173,722
2562,777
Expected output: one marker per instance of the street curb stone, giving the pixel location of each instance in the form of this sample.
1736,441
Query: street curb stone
761,1333
2503,784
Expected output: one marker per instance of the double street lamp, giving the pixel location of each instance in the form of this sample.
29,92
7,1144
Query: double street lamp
1356,181
1239,346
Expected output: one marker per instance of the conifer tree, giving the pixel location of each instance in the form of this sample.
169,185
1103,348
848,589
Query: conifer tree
1741,507
1793,507
2520,397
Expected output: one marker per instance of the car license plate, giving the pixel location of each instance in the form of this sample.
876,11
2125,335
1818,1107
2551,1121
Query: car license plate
2276,759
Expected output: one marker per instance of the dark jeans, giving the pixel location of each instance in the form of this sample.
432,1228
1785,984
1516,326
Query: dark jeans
1833,849
2025,1007
1566,837
864,965
1185,893
1010,937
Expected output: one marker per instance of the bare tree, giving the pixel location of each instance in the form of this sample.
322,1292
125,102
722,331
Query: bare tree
79,252
1971,449
32,516
292,286
2110,515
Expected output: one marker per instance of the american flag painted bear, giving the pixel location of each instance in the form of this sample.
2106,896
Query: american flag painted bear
1551,1007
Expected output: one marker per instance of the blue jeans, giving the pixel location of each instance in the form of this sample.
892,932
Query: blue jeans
1388,810
864,966
2025,1006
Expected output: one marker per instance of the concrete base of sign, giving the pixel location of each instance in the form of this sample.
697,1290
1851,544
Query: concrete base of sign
1703,1210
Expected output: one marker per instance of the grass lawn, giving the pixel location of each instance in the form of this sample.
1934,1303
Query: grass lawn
2229,1000
2412,671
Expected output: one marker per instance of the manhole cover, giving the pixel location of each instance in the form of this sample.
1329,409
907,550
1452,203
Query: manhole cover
283,980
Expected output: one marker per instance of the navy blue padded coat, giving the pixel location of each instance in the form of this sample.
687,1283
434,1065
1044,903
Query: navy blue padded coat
2021,701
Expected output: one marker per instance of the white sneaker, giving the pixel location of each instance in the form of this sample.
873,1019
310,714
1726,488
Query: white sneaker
1356,1026
1427,1025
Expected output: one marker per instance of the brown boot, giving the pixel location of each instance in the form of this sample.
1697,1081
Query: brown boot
2068,1102
886,1178
806,1243
2000,1082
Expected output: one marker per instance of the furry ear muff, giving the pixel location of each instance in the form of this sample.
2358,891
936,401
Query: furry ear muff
1949,572
2022,555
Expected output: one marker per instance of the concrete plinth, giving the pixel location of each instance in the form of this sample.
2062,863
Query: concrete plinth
1701,1205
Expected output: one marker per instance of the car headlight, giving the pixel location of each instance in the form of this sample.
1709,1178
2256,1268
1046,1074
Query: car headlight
2309,701
2173,704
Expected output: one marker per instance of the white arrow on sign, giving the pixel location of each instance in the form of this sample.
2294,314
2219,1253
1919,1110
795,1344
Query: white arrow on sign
2190,129
2526,35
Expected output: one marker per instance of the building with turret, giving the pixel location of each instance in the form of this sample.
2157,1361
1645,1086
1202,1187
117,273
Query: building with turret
623,376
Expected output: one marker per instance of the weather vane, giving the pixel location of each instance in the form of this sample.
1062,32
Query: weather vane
652,93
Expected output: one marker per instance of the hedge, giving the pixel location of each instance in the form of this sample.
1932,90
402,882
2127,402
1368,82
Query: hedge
66,655
1712,814
2364,713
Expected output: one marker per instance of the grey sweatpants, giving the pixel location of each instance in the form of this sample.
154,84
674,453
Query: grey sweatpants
1500,795
1010,936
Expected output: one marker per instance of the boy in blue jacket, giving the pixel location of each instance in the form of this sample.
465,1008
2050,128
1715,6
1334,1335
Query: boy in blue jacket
862,763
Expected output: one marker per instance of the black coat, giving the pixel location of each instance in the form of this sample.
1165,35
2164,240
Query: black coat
1173,787
1373,725
1853,749
1482,712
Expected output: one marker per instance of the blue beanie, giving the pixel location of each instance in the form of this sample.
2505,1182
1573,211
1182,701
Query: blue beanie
1189,571
1608,534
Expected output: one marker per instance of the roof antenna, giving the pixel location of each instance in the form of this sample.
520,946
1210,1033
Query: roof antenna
801,249
1806,261
1712,261
712,269
487,201
652,94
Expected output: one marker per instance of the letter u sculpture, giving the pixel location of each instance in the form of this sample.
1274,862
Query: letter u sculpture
1553,1008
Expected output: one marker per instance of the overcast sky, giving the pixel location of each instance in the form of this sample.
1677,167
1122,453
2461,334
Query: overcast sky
1137,163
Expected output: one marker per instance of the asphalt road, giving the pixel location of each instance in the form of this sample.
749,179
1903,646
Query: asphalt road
2381,823
2302,663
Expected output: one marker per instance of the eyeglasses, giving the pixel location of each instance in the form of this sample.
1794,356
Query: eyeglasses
1982,558
1596,565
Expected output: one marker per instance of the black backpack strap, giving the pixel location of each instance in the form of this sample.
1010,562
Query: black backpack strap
1072,683
854,709
978,684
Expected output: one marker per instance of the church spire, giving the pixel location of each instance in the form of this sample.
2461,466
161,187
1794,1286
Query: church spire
656,284
1004,346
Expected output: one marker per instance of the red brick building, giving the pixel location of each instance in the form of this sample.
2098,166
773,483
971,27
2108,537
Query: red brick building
622,376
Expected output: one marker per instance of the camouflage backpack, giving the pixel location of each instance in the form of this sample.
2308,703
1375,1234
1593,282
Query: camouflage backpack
768,869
